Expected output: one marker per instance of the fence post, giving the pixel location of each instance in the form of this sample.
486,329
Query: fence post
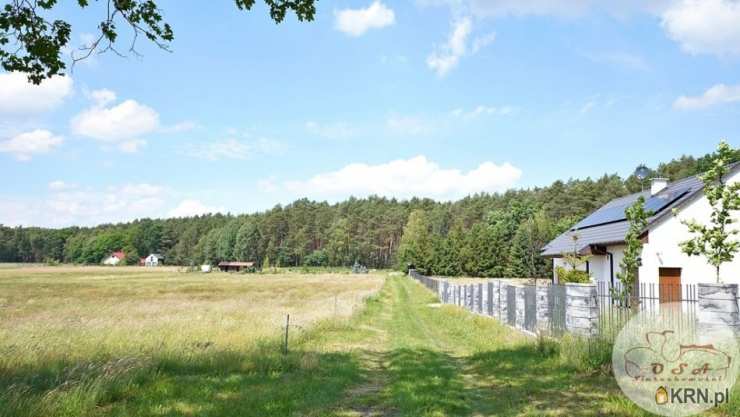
581,309
483,291
718,306
543,307
520,306
476,298
493,297
465,292
503,305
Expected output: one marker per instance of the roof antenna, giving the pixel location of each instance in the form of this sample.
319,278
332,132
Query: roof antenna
642,172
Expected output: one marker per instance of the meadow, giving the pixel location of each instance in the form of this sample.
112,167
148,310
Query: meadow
71,337
99,341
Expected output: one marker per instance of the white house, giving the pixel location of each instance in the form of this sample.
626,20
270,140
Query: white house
153,259
115,258
602,233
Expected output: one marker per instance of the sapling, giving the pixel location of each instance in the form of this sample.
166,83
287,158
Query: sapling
715,240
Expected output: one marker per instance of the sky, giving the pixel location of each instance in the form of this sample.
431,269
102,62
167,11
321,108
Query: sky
428,98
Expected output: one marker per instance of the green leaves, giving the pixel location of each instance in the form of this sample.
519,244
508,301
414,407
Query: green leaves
631,262
33,45
714,241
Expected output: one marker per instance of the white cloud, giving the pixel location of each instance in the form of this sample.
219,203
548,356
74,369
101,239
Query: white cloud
131,146
482,110
18,96
189,208
717,94
404,178
481,42
67,204
234,149
409,125
356,22
102,97
447,56
699,26
121,125
25,145
59,185
339,130
184,126
704,26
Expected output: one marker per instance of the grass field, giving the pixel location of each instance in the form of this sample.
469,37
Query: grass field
109,342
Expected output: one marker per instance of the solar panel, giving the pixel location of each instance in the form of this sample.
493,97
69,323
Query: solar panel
658,202
604,215
615,212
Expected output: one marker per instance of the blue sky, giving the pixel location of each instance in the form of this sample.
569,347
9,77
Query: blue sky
430,98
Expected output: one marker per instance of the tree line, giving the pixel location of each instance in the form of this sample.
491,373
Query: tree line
498,234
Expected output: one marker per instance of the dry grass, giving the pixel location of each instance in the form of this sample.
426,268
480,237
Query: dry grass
67,326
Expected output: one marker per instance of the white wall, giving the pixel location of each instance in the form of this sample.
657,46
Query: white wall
662,249
111,260
598,265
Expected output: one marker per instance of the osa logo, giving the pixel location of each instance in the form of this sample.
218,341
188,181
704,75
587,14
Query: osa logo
669,366
664,358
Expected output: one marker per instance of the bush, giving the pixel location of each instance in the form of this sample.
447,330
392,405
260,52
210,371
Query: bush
572,275
316,258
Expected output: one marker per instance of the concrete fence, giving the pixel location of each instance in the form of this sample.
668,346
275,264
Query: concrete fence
573,308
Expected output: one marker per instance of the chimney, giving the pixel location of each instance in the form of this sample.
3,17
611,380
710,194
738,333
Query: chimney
657,184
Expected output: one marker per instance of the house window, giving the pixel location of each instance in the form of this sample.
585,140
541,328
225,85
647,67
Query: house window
670,285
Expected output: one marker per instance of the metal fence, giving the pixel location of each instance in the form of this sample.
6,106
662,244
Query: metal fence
676,304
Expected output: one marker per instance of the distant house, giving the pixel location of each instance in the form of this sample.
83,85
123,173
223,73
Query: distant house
154,259
115,258
235,266
601,235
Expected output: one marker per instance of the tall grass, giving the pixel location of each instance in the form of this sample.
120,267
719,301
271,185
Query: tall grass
76,341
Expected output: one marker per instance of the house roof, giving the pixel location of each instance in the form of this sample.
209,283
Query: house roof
247,264
608,224
118,254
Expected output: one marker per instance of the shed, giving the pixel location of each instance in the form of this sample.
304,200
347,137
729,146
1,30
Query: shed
235,266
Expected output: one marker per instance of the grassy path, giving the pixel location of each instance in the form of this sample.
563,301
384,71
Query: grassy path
432,360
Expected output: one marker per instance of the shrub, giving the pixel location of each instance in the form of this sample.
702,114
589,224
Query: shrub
572,275
316,258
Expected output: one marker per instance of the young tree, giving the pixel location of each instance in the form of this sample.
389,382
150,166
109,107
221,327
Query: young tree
574,260
631,262
714,241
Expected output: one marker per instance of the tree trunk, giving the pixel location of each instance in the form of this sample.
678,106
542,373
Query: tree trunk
634,293
717,269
